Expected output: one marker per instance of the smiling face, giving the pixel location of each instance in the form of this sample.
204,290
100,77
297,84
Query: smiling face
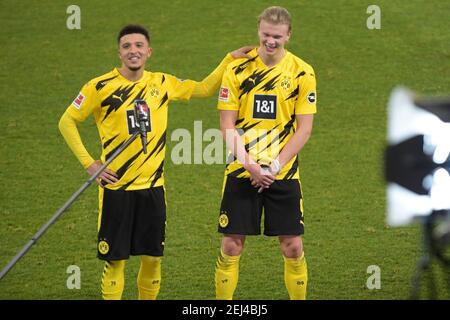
134,50
272,38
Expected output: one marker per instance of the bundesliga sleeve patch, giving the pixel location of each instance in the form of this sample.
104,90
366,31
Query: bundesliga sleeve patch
224,94
78,101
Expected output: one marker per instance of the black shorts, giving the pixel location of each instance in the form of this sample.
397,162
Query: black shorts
242,207
131,223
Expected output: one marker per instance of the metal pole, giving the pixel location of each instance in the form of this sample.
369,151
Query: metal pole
58,213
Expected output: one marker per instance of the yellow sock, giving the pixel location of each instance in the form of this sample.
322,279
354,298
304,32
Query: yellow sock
113,280
149,278
296,277
227,274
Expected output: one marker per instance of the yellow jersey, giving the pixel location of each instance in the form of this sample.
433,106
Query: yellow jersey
110,98
267,100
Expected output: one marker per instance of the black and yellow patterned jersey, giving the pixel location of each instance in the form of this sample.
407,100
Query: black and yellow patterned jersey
110,98
267,100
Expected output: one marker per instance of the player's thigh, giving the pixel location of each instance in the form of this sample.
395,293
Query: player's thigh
283,208
116,219
241,208
149,225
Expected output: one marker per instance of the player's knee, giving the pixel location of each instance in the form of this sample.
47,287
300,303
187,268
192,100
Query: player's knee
151,260
116,266
293,252
232,246
292,249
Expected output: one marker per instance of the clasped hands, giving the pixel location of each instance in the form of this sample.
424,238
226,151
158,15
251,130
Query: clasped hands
262,177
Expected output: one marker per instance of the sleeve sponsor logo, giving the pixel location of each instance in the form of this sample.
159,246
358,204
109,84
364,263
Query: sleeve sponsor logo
224,94
78,101
311,97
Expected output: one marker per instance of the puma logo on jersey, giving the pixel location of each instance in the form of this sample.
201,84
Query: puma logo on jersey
117,97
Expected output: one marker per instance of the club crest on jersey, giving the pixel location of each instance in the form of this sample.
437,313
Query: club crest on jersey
286,83
311,97
78,101
154,92
224,94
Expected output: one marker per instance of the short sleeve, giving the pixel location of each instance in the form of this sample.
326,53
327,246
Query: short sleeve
306,103
229,91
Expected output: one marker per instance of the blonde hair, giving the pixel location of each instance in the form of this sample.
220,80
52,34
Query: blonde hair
276,15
